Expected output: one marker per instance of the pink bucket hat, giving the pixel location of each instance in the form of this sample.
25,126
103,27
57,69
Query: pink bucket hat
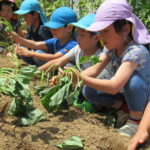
112,10
14,1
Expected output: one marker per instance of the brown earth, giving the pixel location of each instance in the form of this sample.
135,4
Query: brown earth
56,128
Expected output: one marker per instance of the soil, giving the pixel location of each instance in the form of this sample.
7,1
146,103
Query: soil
56,128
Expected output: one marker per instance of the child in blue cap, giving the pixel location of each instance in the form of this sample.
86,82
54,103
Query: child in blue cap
56,47
35,19
88,45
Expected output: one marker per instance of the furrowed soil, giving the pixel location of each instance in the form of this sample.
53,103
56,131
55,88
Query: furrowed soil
56,128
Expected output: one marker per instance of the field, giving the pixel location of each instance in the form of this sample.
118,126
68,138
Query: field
56,128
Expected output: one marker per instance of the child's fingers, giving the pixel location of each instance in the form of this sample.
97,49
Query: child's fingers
137,141
61,71
53,81
11,35
66,68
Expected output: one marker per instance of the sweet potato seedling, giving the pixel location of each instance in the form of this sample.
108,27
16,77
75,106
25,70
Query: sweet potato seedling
64,90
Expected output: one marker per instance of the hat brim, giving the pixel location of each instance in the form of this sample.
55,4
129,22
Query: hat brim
22,12
140,33
79,25
53,25
97,26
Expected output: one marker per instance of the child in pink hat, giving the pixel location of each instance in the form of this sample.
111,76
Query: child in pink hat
125,39
7,8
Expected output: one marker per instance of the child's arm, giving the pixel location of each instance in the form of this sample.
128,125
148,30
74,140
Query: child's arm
28,43
94,70
56,63
143,131
42,56
114,85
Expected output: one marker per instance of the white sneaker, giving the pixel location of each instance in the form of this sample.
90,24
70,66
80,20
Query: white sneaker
129,129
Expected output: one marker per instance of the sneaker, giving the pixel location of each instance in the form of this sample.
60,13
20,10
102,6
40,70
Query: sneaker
85,106
129,129
122,118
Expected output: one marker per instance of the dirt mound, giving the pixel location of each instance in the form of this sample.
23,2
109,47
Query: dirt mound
56,128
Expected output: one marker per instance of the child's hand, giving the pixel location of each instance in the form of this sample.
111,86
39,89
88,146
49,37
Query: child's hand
23,51
139,138
53,81
14,36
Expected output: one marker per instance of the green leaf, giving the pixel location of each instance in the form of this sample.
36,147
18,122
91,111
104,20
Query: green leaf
74,143
32,116
58,98
22,90
2,83
94,59
17,108
41,91
29,71
10,88
26,112
72,96
8,27
46,99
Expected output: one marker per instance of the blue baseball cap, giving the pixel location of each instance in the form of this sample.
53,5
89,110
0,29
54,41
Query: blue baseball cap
85,21
31,5
61,17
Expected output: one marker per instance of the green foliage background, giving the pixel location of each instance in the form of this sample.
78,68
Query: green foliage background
140,7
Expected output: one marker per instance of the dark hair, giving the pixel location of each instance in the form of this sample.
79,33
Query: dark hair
119,24
147,46
98,43
32,12
13,5
73,34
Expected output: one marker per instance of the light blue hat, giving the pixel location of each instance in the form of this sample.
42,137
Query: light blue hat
85,21
61,17
31,5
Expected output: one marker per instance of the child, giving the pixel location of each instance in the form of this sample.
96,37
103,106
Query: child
55,47
35,19
143,131
124,36
7,8
88,44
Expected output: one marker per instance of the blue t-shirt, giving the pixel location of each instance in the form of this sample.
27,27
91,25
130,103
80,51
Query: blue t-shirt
55,46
